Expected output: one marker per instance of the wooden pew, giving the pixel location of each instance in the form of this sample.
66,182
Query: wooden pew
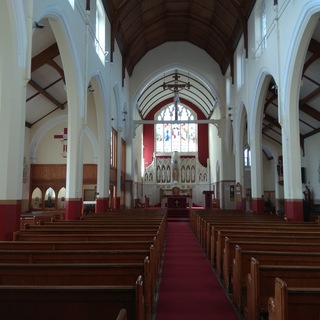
260,282
83,236
207,222
75,275
122,315
73,256
94,232
294,303
37,217
80,230
69,302
288,229
85,256
240,235
276,244
242,265
77,245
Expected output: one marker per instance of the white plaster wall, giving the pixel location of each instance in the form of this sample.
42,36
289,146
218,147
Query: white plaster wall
176,54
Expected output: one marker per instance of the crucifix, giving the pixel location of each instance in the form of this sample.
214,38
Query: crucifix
177,203
176,87
64,140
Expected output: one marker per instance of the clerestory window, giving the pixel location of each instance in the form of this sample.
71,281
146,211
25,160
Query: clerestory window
247,158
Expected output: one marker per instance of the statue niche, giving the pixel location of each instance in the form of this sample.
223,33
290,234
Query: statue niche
175,167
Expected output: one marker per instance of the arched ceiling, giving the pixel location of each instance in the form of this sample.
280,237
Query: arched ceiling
46,92
215,26
188,86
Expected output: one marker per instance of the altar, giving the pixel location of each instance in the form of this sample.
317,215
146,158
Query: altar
176,201
176,175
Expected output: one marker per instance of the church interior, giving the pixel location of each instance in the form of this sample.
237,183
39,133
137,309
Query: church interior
146,142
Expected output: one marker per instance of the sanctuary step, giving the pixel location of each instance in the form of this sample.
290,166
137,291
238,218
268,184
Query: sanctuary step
178,213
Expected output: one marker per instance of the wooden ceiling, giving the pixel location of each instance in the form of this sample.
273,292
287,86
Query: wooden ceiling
215,26
141,25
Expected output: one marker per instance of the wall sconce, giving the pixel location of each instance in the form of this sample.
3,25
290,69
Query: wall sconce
230,114
90,88
37,25
124,112
275,88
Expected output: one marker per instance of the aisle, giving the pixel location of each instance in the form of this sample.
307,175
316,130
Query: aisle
189,288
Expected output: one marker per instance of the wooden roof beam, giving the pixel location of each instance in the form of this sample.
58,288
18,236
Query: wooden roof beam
42,58
46,94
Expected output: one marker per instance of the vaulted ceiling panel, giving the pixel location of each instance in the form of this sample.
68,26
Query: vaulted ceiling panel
219,19
139,26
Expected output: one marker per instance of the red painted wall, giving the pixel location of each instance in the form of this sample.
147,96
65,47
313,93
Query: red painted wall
148,134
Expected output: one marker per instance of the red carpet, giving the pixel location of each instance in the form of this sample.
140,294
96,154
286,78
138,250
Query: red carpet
189,289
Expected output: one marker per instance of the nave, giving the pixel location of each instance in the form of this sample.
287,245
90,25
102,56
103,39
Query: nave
189,288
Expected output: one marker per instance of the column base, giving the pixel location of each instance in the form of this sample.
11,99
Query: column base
117,203
73,209
257,205
10,213
102,205
293,210
241,205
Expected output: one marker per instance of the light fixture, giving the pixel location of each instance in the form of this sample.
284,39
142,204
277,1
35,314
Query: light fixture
124,112
230,113
38,25
275,88
90,88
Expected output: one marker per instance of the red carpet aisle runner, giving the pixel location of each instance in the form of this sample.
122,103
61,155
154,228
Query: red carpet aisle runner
189,289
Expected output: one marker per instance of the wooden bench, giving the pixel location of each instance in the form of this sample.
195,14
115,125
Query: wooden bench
80,230
210,228
122,315
83,236
69,302
73,256
110,274
242,266
294,303
203,222
239,235
288,229
83,256
260,283
77,245
276,244
121,228
37,217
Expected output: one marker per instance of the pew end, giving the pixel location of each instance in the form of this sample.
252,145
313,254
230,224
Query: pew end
122,315
293,303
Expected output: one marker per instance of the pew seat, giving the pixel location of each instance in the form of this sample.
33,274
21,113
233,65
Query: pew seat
242,267
67,302
293,303
260,284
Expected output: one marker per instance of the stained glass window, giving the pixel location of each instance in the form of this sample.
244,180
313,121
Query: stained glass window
181,137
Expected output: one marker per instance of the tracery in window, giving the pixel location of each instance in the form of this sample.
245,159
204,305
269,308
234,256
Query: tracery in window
181,137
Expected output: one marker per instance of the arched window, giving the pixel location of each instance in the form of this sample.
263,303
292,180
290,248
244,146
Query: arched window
247,158
181,137
264,25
